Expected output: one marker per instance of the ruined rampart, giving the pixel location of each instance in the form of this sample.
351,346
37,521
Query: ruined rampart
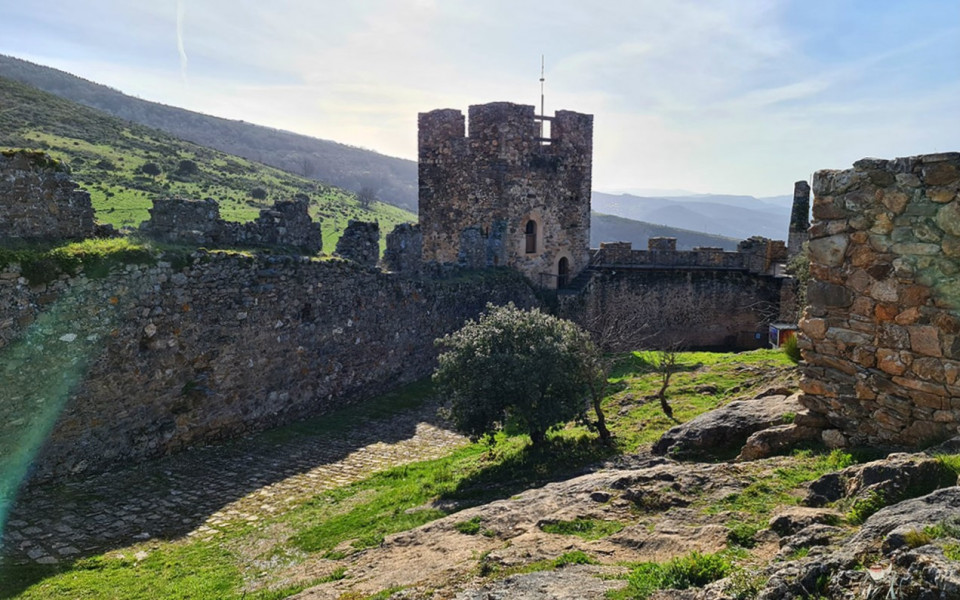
662,297
154,358
882,327
39,202
197,222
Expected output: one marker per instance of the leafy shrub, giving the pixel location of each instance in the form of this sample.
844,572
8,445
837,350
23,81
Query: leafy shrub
258,193
527,368
742,534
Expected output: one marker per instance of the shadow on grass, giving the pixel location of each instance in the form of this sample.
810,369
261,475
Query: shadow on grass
560,457
644,363
174,495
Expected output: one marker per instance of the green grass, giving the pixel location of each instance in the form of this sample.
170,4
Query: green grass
344,520
588,529
105,155
94,257
780,487
693,570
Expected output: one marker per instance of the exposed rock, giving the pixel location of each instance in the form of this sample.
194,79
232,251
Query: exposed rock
791,520
727,428
569,583
775,440
360,242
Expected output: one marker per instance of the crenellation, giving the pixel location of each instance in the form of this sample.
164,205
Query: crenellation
530,201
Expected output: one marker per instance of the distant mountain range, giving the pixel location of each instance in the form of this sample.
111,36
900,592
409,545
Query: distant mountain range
695,220
736,217
611,228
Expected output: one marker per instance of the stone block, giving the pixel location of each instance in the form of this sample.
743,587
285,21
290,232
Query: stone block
829,251
924,339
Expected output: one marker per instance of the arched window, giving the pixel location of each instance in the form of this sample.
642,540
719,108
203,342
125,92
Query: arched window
531,233
563,272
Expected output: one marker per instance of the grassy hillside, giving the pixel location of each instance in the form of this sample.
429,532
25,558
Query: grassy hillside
393,179
107,156
610,228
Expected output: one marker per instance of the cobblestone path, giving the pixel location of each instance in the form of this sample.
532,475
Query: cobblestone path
195,492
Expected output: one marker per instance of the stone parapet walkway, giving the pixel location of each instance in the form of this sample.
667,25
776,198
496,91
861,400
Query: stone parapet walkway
198,491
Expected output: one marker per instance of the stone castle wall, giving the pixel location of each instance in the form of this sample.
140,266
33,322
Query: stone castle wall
881,332
38,201
197,222
497,178
154,358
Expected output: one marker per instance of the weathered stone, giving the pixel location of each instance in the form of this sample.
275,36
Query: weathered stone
942,173
930,369
889,361
833,438
829,251
813,327
39,202
828,294
948,218
360,242
924,339
775,440
726,428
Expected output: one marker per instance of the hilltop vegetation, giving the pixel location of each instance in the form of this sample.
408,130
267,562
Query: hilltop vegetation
351,168
124,166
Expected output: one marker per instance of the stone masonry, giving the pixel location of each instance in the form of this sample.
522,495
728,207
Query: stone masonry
403,253
881,332
360,242
526,195
154,358
38,201
198,222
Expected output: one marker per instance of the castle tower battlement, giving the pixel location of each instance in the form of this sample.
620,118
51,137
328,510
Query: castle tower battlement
522,180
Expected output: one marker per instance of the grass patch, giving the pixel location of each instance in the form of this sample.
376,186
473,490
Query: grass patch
94,257
691,571
588,529
864,507
777,488
742,533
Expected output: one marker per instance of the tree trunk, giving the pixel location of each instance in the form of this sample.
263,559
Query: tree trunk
538,437
601,422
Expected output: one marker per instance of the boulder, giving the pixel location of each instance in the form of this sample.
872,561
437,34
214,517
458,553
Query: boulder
726,429
775,440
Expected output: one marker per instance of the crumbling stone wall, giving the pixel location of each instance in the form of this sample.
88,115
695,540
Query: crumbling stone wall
38,201
154,358
799,218
404,249
198,222
881,332
360,242
501,177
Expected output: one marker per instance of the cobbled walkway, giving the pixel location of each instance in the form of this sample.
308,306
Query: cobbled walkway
196,492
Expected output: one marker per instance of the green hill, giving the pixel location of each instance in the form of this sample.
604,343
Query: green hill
107,157
393,179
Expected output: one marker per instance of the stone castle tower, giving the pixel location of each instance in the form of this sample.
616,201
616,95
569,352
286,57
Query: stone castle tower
513,191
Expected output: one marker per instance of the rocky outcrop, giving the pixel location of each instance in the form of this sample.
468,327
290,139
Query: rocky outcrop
725,430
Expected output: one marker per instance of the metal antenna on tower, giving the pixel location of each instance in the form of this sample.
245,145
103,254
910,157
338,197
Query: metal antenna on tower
542,113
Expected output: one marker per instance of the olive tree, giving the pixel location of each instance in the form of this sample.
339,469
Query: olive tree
524,367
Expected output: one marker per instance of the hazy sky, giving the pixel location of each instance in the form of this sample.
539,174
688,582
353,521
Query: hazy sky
711,96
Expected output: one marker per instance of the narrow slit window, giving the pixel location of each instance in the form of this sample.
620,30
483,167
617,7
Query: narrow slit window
563,272
531,233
